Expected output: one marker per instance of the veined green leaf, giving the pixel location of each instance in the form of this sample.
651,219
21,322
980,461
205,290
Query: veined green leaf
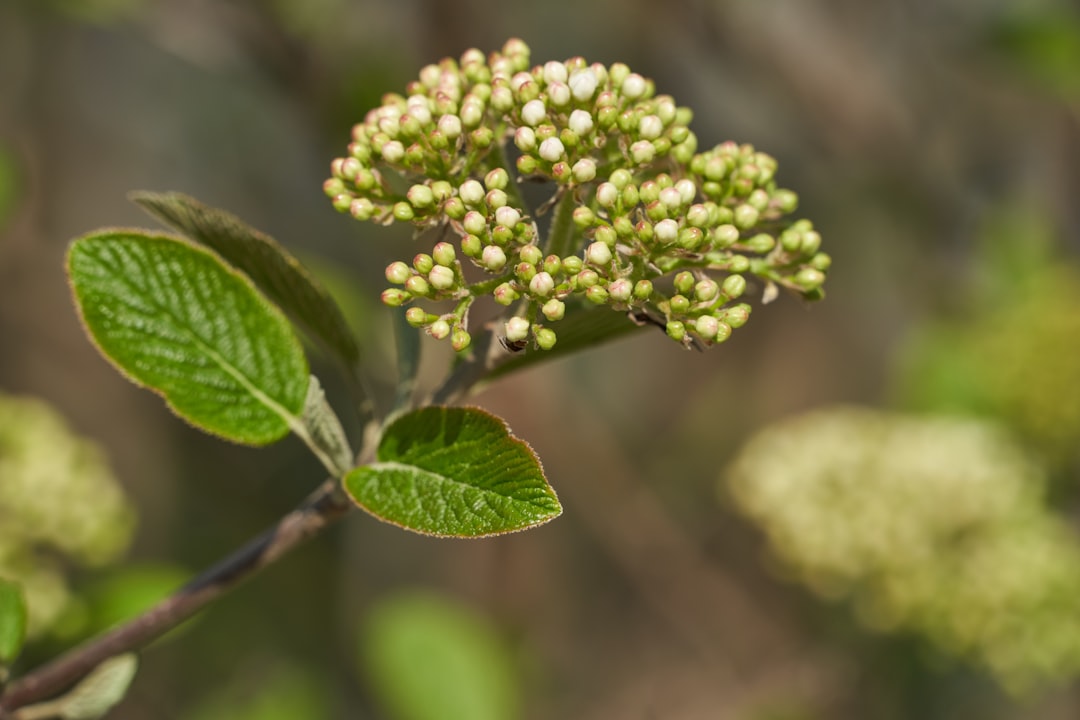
172,317
12,622
270,266
454,472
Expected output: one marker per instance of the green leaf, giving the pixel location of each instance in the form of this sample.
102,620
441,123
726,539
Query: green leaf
99,691
454,472
431,659
173,317
12,622
324,428
269,265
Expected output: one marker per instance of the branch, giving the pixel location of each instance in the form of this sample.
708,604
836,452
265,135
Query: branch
318,511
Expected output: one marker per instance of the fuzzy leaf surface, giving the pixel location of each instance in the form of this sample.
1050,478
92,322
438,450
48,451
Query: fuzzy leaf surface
454,472
270,266
173,317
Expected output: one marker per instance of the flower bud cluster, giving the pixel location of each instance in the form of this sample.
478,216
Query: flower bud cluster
659,231
937,526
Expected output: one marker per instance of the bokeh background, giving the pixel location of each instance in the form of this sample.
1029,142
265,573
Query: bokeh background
864,508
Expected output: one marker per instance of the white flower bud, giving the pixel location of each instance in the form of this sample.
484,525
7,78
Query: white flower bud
517,329
525,139
493,257
583,84
642,151
471,192
666,231
542,284
450,126
393,151
502,98
474,223
559,94
670,198
620,290
519,80
551,149
429,75
707,326
533,113
584,170
650,127
507,216
472,112
581,122
607,195
687,190
633,86
598,254
418,108
441,277
554,72
554,309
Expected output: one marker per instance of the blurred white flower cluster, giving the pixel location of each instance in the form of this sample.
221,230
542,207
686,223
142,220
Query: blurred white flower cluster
60,505
927,524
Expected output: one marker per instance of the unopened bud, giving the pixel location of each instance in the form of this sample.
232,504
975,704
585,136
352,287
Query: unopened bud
517,329
398,272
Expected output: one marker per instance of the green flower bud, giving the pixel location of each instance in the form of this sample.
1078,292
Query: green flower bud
584,170
417,317
821,262
497,179
746,216
738,264
342,202
690,238
531,254
524,271
443,254
525,139
418,286
791,240
649,192
420,196
482,137
586,278
545,338
398,272
706,290
460,339
684,281
734,286
505,294
526,165
679,304
501,235
439,329
498,199
811,241
553,265
737,315
643,289
675,330
656,211
698,216
471,193
334,187
474,223
630,196
572,264
362,209
442,277
761,243
624,228
785,201
583,217
394,297
423,263
809,278
471,246
554,309
644,231
454,208
596,294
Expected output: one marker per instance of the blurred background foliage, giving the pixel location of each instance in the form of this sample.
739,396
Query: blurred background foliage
906,549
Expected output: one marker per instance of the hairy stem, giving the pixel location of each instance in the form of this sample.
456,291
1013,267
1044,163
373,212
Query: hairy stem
327,504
